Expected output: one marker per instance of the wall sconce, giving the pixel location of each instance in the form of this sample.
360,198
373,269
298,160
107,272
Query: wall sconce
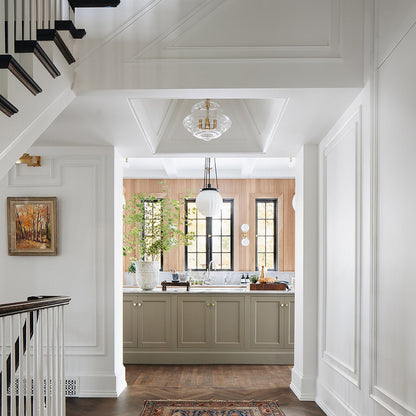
244,235
29,160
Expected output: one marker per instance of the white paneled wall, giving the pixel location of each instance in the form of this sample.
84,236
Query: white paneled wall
366,360
82,179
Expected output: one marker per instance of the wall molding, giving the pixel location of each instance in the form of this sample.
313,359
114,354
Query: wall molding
53,171
168,50
349,372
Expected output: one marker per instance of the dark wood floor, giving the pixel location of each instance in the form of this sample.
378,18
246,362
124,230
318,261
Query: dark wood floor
197,382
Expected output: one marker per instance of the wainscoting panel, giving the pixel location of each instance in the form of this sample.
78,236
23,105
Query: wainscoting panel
341,250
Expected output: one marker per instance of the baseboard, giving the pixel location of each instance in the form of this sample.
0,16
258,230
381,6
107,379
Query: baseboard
207,357
101,385
303,387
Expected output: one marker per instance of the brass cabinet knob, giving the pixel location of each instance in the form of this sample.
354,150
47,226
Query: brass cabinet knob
282,305
139,304
134,304
212,304
208,304
287,305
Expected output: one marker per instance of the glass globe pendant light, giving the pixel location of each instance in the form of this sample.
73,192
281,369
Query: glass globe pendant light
207,120
209,200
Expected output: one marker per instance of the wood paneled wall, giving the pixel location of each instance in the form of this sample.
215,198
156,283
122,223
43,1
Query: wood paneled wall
244,192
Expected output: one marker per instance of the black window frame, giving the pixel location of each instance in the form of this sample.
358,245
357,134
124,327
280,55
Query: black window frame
143,235
208,242
276,228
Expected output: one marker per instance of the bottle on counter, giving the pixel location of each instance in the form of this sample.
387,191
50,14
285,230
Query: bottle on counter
262,278
242,279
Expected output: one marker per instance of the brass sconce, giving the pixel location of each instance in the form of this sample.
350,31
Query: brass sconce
32,161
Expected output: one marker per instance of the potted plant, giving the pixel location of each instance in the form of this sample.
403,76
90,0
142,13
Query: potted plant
152,227
130,275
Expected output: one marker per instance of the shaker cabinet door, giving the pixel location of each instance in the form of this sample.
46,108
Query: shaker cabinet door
155,328
229,321
266,315
130,321
194,321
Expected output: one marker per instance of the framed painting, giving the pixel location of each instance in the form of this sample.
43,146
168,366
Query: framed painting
32,226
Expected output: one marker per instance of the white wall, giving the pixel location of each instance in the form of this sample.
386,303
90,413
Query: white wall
366,360
83,180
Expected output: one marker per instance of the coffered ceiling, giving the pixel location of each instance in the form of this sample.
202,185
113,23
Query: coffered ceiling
283,71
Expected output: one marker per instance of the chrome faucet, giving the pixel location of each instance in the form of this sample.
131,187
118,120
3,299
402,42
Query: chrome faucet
208,273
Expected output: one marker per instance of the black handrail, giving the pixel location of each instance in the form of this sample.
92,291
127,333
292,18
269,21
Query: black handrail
33,303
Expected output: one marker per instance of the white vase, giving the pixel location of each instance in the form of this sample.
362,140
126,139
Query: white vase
147,274
130,279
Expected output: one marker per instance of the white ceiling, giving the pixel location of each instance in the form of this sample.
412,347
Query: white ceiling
283,72
193,167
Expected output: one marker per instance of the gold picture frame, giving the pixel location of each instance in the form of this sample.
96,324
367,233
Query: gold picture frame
32,226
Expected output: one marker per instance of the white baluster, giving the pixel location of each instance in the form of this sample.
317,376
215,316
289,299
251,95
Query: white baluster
46,14
3,27
52,14
33,21
21,384
19,19
3,343
26,19
12,366
54,362
65,10
10,27
48,363
28,367
61,372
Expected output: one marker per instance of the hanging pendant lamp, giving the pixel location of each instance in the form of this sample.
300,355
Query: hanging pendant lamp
209,199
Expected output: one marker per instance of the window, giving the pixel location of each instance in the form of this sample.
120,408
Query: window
213,238
152,216
266,232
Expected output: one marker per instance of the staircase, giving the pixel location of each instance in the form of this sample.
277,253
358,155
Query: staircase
37,53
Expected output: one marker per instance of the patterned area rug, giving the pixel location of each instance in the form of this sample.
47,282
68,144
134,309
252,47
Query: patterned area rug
211,408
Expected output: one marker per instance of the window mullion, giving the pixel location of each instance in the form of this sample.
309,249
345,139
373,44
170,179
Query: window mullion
209,240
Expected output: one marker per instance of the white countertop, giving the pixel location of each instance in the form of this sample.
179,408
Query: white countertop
208,289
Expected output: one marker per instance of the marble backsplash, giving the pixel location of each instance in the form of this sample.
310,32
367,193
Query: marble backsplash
220,278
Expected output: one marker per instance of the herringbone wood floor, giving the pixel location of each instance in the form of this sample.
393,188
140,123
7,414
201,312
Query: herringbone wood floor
197,382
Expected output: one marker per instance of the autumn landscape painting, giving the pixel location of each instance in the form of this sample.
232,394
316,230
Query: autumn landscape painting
32,226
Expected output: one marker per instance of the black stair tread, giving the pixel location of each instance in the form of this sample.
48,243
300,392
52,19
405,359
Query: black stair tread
94,3
53,35
69,25
8,62
7,107
32,46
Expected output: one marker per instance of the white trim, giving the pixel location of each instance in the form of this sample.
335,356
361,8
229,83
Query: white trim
351,373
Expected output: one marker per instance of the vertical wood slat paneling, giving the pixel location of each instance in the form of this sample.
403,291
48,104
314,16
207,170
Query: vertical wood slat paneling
244,192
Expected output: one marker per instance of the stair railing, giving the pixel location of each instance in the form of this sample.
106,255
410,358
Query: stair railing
28,16
32,357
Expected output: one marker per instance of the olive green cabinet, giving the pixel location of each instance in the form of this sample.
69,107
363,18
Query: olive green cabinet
208,321
204,328
272,323
147,321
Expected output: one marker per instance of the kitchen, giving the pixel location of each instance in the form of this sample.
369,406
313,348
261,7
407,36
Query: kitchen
220,321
